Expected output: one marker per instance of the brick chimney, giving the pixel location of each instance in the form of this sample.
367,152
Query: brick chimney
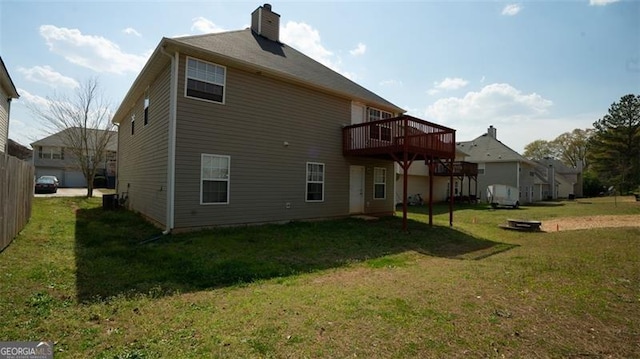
266,23
493,132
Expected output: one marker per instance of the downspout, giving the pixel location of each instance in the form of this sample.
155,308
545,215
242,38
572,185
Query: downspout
171,160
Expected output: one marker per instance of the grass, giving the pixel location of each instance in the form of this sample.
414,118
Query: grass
105,285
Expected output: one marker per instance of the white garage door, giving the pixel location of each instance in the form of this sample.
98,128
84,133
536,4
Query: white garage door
73,179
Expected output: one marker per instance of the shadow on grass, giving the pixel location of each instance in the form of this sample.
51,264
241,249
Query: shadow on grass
115,257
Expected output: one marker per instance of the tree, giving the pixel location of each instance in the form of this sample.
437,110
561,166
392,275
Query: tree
571,147
614,148
83,122
538,150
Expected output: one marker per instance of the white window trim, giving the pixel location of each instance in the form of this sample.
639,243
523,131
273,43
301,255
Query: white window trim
379,183
51,151
382,117
186,78
306,182
146,102
228,179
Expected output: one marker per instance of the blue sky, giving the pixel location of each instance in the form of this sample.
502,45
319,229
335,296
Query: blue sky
532,69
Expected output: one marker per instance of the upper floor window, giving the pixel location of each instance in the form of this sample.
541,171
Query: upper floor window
133,125
146,107
205,80
51,153
315,182
379,132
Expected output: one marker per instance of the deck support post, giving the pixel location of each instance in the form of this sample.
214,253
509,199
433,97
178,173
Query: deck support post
431,170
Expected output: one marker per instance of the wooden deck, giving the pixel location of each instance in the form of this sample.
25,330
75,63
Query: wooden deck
404,139
394,137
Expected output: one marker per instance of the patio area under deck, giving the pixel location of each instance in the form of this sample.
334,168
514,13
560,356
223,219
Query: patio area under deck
404,139
461,169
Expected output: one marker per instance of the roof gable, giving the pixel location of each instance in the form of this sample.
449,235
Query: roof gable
6,83
246,49
486,148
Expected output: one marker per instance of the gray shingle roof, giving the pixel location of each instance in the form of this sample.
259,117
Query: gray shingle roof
57,139
281,59
488,149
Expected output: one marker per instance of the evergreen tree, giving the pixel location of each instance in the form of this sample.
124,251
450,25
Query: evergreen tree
614,148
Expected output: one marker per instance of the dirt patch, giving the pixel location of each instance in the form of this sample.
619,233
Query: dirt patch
571,223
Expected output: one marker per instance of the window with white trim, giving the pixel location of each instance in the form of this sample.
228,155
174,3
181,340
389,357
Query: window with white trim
481,168
315,182
146,107
214,179
51,153
379,183
205,80
380,132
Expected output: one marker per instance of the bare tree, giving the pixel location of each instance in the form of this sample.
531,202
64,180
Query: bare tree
82,120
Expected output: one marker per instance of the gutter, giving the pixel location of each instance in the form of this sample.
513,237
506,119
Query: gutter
171,158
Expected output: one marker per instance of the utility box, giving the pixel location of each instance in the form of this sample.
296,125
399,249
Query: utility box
501,195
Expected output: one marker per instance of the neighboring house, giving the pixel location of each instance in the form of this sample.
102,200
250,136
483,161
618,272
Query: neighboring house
8,92
51,157
556,180
499,164
236,127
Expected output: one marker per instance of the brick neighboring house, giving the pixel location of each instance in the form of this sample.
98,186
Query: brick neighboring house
8,92
51,157
236,127
499,164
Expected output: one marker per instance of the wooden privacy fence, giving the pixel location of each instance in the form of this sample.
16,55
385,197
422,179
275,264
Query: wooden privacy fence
16,195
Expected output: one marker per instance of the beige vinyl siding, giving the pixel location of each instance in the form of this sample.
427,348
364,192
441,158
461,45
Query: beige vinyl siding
142,157
259,116
376,206
4,121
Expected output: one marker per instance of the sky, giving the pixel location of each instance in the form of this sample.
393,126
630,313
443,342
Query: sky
532,69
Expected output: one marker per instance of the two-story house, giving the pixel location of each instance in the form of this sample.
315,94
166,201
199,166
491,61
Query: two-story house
557,180
8,92
237,127
53,157
499,164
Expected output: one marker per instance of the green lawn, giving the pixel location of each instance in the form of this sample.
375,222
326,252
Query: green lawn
106,285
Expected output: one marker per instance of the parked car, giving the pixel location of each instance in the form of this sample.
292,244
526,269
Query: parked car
54,178
46,184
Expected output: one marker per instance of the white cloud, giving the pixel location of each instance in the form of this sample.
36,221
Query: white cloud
448,84
205,26
493,103
31,99
601,2
131,31
306,39
46,75
90,51
359,50
511,9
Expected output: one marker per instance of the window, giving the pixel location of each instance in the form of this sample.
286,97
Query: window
379,132
214,172
481,167
51,153
133,124
379,183
205,80
146,107
315,182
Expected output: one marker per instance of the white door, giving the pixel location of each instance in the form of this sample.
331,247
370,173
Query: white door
356,189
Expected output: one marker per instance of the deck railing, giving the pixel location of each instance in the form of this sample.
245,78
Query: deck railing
399,134
460,168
